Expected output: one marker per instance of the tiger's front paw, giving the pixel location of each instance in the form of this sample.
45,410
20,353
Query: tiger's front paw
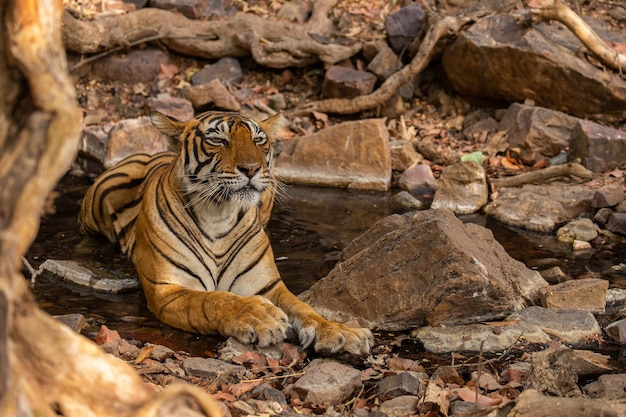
257,320
330,337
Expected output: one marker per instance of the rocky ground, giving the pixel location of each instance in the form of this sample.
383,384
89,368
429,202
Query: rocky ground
517,363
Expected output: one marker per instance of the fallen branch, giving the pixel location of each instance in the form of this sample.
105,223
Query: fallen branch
559,11
275,44
572,168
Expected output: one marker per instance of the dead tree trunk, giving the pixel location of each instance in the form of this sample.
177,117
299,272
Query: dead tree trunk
45,368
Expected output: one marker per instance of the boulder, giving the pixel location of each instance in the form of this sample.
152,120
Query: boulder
503,57
424,268
539,133
351,154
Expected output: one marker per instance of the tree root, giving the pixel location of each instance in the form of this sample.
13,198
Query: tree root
274,44
46,369
557,10
542,175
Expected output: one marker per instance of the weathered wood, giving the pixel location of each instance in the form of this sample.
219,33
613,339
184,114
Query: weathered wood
275,44
563,170
559,11
45,368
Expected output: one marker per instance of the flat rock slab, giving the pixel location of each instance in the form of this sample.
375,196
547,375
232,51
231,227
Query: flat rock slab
93,278
352,154
541,208
424,268
571,326
477,337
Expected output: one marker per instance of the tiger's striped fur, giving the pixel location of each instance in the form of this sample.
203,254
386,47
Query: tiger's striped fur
192,223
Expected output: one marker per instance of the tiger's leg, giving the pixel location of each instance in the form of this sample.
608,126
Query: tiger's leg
250,319
327,336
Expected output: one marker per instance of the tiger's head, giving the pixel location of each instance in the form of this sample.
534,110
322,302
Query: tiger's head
224,157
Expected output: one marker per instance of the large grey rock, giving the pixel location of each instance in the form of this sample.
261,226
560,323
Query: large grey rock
503,57
607,387
537,132
424,268
600,148
351,154
541,207
462,188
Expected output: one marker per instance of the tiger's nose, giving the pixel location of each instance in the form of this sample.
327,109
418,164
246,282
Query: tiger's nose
249,169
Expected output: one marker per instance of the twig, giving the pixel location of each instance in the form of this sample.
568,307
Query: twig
34,274
571,168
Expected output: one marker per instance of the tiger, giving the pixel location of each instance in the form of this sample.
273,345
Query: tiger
192,221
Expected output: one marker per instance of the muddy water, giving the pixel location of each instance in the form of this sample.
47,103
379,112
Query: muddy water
308,229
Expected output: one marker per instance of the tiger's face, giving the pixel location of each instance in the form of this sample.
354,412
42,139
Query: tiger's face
226,157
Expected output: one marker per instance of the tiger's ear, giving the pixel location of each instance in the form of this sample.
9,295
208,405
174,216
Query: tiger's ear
169,126
274,124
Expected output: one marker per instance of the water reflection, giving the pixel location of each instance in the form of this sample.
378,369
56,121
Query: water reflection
308,229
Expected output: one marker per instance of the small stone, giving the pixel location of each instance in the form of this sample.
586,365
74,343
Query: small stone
277,101
343,82
160,353
136,67
621,207
600,148
554,275
179,108
404,155
404,25
602,216
608,196
581,294
74,321
580,229
234,347
212,368
462,188
607,387
240,408
133,136
403,405
295,11
580,245
417,175
617,223
188,8
617,331
385,63
404,201
127,351
211,92
329,382
397,385
228,70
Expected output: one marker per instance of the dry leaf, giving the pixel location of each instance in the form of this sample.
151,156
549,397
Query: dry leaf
144,353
